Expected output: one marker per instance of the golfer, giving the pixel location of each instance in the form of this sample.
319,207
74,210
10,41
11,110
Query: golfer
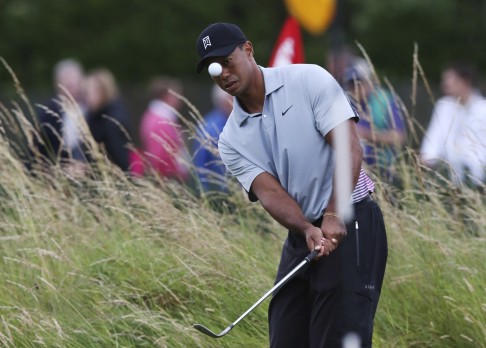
280,144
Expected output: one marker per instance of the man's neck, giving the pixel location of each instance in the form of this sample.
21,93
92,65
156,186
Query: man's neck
466,96
252,101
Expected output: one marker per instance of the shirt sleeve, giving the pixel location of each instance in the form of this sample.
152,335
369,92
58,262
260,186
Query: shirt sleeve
397,119
244,170
433,141
329,102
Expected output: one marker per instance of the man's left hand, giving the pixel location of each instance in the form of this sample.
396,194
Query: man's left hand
333,228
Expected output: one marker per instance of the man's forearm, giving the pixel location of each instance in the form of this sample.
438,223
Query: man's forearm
279,204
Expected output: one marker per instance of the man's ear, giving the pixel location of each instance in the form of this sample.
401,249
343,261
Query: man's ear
248,46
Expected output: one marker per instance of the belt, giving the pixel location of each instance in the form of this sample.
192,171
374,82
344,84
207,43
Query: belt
366,199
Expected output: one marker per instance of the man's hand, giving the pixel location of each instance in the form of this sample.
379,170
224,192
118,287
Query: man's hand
316,241
333,228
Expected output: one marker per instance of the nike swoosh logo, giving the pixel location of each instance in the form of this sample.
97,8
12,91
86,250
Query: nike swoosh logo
284,112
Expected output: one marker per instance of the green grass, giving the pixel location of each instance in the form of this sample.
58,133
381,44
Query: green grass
119,265
434,293
113,262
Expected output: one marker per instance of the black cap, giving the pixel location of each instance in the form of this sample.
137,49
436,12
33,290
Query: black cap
218,40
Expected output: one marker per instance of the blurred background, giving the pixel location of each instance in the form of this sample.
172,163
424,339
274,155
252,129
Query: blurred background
139,40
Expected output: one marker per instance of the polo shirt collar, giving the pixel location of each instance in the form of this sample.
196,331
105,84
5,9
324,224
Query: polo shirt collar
271,79
272,82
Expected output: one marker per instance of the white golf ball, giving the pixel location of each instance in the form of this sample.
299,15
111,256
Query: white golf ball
215,69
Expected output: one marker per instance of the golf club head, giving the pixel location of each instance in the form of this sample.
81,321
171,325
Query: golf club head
206,331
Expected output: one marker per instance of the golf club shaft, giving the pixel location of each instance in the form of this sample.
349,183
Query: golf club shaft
307,259
210,333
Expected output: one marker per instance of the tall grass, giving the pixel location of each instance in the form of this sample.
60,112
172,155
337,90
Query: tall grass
111,261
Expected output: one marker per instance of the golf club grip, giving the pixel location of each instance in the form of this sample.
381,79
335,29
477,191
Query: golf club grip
312,255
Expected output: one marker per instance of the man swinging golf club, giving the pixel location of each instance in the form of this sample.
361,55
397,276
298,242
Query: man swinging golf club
291,142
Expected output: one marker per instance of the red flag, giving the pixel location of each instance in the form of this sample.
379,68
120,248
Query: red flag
289,48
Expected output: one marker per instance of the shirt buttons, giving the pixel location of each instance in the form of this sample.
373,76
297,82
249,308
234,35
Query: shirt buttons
264,115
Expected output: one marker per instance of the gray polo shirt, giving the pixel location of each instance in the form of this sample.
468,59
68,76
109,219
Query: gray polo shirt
302,104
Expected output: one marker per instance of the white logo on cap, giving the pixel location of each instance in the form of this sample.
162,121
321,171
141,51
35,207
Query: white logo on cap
206,42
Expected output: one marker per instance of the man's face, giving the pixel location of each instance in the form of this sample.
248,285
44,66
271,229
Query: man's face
236,69
452,84
71,79
360,89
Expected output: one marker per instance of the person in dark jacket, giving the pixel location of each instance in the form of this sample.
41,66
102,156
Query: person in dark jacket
107,116
59,138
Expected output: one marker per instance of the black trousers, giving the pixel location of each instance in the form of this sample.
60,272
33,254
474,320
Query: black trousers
335,295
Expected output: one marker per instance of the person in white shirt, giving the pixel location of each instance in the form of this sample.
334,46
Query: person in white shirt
456,134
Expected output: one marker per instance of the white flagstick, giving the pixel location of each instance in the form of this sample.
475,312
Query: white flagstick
343,173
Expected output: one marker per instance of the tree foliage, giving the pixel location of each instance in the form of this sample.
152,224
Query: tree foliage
444,30
134,38
138,39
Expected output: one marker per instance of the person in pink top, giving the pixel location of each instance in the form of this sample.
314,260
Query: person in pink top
160,133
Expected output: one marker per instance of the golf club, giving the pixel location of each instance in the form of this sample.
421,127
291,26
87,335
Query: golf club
208,332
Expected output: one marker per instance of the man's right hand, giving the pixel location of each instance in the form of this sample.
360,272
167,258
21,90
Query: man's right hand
316,241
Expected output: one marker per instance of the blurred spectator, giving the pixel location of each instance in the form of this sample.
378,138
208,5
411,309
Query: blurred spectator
456,135
107,116
381,126
160,132
210,170
337,60
59,133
